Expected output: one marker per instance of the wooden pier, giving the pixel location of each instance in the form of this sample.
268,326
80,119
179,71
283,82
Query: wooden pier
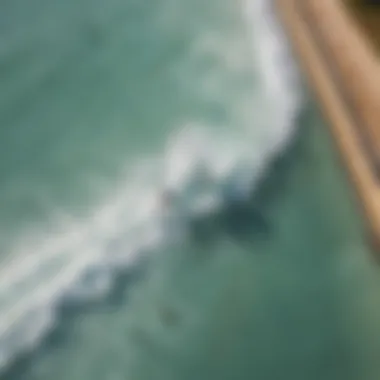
340,59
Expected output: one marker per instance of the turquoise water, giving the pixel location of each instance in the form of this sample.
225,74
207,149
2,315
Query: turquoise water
104,104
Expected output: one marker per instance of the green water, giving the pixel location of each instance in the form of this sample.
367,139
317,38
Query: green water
301,303
89,88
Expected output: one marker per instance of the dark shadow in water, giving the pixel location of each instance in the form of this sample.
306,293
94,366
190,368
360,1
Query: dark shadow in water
251,220
240,221
277,178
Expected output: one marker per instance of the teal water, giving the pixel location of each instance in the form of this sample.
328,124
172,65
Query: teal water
101,105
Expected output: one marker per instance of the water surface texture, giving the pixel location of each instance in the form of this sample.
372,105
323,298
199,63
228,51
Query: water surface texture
104,104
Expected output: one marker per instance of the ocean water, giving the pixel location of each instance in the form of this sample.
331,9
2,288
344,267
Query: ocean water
103,106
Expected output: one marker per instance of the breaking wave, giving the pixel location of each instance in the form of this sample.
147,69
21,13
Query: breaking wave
78,260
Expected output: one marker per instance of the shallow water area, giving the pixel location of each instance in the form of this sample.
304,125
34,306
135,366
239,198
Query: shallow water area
121,101
296,301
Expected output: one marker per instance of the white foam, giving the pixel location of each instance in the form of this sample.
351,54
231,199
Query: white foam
77,262
279,76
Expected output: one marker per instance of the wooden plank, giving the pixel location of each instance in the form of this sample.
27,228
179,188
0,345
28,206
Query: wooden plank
322,81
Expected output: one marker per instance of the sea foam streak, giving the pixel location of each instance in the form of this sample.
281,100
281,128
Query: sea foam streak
78,263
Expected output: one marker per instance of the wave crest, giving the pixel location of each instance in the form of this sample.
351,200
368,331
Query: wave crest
79,262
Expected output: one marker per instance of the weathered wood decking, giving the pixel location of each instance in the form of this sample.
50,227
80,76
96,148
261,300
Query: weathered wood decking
343,69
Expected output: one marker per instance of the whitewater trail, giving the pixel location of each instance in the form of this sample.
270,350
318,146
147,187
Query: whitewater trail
78,261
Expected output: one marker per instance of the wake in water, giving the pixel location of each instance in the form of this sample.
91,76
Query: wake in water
201,173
